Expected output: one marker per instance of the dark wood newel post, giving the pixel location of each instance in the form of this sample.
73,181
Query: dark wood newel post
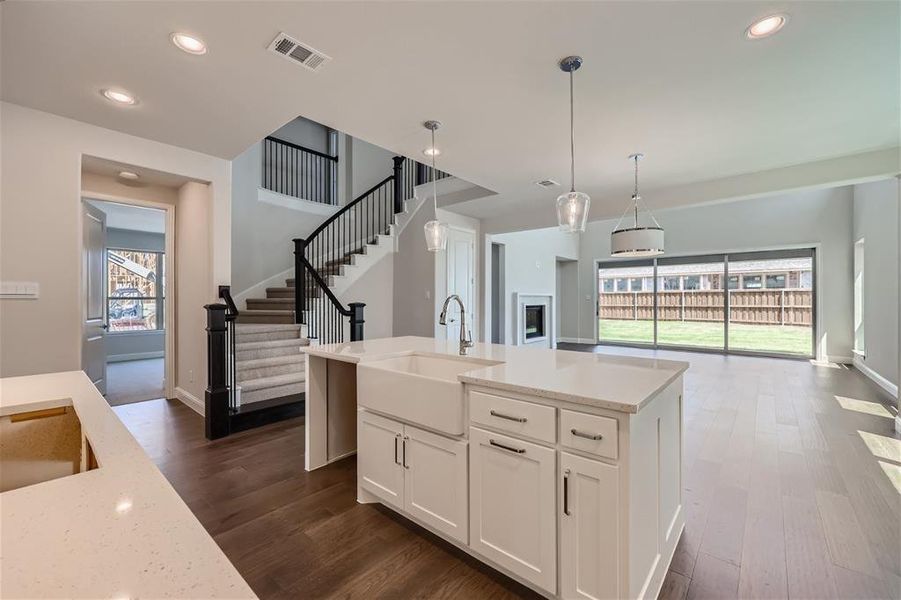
356,321
300,280
216,397
398,184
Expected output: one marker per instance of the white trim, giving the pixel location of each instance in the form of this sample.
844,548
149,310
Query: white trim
576,340
295,203
842,360
876,378
519,306
189,400
168,267
134,356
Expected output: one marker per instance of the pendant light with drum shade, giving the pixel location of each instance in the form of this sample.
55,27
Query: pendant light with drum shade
435,230
572,207
637,240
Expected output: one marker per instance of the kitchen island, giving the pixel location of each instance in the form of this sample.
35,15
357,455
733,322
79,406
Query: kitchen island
560,469
86,513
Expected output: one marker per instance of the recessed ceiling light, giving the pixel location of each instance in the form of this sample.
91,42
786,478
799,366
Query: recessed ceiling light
766,26
188,43
129,175
432,152
119,97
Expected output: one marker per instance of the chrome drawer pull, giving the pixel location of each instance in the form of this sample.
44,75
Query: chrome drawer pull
494,413
508,448
587,436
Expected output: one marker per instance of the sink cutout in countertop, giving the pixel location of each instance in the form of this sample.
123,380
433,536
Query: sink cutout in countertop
436,367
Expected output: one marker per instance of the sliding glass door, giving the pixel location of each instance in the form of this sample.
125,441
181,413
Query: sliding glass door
626,302
771,302
752,302
691,302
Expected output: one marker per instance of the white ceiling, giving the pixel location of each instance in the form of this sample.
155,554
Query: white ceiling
676,80
134,218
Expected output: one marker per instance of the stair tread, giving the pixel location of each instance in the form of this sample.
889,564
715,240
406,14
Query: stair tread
240,346
250,385
270,361
267,327
261,312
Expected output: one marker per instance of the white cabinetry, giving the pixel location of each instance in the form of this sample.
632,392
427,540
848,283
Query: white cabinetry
512,503
589,528
417,472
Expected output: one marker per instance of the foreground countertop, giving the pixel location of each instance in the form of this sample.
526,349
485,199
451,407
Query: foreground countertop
119,531
621,383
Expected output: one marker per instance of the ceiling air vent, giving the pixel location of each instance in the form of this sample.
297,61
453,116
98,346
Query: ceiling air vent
547,183
286,46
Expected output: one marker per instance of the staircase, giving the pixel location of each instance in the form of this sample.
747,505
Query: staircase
256,368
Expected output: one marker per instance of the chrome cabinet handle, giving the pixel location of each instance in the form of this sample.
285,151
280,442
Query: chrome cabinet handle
507,448
494,413
396,437
587,436
566,492
406,466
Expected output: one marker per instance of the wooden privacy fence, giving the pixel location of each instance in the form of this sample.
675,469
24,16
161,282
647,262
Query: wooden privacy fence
765,307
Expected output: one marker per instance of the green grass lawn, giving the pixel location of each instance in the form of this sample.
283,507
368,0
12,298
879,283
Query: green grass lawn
786,339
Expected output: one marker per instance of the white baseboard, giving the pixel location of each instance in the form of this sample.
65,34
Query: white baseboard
134,356
878,379
190,400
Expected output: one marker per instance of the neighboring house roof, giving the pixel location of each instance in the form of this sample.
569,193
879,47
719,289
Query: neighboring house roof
746,266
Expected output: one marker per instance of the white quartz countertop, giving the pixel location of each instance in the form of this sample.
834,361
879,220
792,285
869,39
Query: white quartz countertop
620,383
119,531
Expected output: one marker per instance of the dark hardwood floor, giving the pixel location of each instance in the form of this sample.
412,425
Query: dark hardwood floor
792,476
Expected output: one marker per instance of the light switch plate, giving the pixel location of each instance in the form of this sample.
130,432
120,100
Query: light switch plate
21,290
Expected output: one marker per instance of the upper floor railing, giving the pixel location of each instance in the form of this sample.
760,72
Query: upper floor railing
294,170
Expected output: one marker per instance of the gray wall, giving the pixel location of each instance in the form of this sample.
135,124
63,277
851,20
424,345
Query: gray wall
808,218
531,267
139,344
261,231
876,221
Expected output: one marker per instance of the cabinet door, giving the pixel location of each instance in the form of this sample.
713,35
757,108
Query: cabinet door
380,457
435,483
589,528
512,505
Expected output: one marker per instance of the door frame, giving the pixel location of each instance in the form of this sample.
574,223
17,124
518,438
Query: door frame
818,352
168,269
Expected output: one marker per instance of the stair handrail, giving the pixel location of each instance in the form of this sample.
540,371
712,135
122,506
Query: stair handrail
303,148
348,206
225,294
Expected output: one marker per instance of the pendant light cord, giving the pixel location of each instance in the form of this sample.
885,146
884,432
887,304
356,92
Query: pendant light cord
572,138
434,176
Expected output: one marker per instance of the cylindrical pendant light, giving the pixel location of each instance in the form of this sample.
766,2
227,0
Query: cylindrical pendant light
637,240
435,230
572,207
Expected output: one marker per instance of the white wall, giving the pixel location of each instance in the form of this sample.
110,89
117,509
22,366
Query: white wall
375,288
368,165
876,222
192,252
800,219
531,265
262,232
40,218
414,279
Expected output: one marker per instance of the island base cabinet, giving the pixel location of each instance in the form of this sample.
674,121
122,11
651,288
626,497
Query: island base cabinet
380,467
589,528
512,506
417,472
435,482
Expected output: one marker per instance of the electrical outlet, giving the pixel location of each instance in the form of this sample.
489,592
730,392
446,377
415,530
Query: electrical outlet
191,375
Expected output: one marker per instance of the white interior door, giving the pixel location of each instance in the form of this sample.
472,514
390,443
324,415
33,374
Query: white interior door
460,278
94,326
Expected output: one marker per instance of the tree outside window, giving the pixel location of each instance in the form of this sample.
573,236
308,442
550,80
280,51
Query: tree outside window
135,284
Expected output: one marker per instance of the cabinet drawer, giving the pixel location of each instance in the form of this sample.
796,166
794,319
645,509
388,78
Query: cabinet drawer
589,433
516,416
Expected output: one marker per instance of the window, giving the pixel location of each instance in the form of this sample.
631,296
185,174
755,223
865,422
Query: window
670,283
775,280
635,284
859,273
622,285
135,286
691,282
806,280
752,282
733,282
608,285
